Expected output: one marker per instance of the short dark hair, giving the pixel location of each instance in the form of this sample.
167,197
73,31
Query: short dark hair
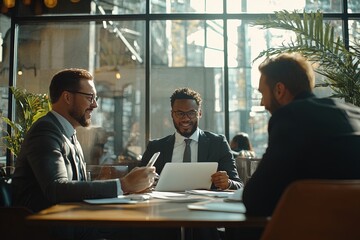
67,80
293,70
186,93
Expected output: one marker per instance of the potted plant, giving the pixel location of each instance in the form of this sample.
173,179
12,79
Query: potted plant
316,40
29,108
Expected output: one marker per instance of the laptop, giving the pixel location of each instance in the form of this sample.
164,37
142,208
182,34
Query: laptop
179,177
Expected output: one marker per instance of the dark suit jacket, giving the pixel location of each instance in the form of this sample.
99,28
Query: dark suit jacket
212,148
310,138
46,172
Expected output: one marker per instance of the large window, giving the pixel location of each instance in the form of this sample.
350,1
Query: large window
140,51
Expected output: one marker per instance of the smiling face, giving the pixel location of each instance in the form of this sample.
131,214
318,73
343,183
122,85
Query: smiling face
82,106
185,125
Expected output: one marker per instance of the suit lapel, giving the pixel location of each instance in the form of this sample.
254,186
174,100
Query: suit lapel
203,147
73,151
169,148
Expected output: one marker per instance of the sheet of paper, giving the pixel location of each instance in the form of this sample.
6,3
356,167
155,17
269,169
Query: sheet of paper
116,200
219,206
176,197
236,196
220,194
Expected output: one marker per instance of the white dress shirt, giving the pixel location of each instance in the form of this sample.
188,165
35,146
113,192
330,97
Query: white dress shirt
179,147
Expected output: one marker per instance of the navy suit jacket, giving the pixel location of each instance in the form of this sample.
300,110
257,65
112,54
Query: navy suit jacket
46,172
309,138
211,148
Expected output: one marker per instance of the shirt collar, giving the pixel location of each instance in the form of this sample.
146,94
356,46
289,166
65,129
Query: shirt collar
69,129
194,136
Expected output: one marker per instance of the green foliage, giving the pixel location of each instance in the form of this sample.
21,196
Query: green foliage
29,108
316,40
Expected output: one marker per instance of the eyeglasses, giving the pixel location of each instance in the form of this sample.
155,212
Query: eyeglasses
93,98
190,114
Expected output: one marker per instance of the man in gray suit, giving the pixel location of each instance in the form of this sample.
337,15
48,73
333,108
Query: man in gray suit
205,146
50,167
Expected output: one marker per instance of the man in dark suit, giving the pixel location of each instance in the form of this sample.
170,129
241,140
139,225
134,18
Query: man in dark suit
309,137
205,146
50,167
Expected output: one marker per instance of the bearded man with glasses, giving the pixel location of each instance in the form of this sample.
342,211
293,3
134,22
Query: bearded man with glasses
51,168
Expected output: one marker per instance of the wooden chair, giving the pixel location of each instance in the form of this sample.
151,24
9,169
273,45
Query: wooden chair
317,209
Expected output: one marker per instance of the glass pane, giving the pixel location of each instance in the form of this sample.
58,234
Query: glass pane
186,6
353,6
183,55
354,32
100,7
326,6
245,112
115,56
269,6
4,79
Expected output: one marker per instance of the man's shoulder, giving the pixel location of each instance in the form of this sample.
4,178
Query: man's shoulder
45,123
314,104
162,140
210,134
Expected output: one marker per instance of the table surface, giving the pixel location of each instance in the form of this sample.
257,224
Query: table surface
154,212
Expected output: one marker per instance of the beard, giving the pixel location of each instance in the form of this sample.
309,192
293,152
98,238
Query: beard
187,132
274,105
80,118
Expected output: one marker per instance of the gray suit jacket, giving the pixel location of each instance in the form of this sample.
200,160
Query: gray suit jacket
46,172
212,148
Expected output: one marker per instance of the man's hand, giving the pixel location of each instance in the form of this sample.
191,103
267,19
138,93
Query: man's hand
138,179
221,180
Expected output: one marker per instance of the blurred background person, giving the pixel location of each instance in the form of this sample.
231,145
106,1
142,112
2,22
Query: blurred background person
241,146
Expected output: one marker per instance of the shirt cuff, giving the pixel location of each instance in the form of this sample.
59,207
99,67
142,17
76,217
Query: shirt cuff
119,190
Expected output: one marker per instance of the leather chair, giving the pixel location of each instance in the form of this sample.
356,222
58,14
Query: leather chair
12,219
317,209
5,193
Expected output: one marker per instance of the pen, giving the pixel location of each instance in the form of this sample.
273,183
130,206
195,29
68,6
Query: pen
153,159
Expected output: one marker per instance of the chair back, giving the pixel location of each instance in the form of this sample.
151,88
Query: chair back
246,167
5,193
317,209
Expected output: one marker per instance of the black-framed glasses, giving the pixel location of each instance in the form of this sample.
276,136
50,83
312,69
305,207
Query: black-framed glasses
190,114
93,98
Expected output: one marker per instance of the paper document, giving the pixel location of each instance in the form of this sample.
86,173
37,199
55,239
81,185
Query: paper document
220,194
219,206
109,201
236,196
176,197
131,198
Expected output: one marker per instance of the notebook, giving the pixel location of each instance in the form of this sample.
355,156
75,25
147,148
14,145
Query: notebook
179,177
